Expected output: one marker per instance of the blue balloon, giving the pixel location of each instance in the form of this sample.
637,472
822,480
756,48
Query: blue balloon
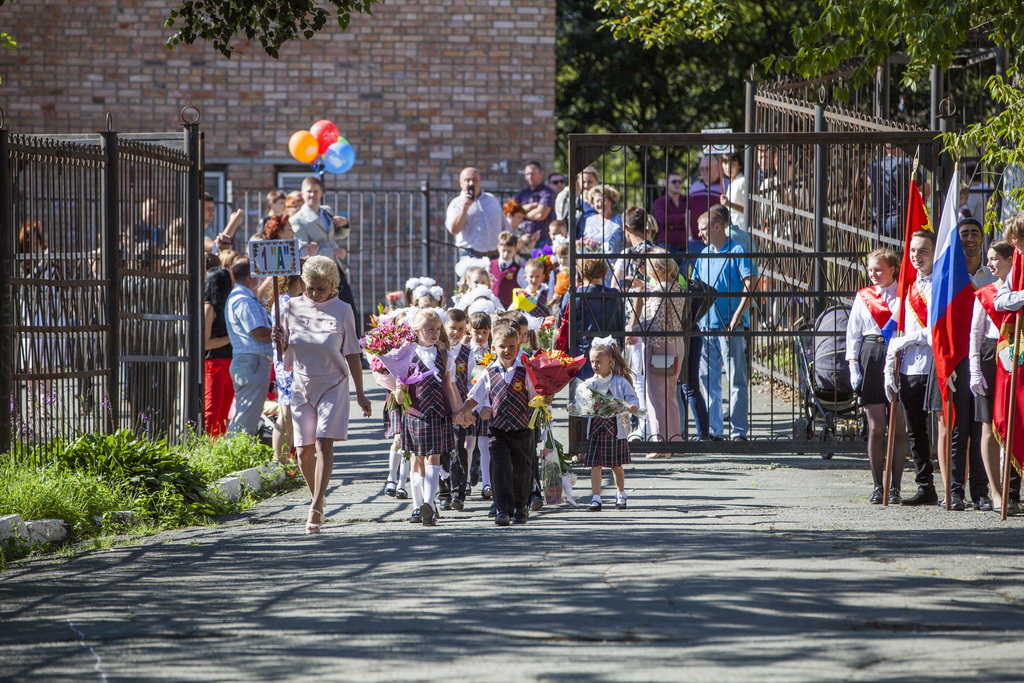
339,158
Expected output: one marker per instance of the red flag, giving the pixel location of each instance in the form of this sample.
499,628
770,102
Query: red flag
917,219
1002,388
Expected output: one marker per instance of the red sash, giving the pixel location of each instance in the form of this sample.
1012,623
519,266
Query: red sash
987,298
876,306
918,305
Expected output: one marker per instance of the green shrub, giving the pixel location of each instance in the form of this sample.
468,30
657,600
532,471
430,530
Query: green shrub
146,467
56,493
225,455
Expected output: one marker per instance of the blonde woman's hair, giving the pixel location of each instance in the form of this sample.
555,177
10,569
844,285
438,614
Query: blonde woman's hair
606,191
619,365
666,268
322,268
227,257
886,256
424,315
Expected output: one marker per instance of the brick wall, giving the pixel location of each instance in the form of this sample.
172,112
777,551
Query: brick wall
420,89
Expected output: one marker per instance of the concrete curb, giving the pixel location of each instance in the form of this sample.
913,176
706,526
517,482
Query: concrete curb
227,487
12,527
46,531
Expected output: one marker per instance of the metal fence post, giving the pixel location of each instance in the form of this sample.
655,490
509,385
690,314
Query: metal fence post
112,248
6,266
820,207
425,189
750,123
194,258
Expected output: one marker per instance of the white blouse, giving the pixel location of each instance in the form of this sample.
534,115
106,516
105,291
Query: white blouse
861,322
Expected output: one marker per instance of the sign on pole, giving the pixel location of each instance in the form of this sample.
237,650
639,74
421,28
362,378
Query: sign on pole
717,149
269,258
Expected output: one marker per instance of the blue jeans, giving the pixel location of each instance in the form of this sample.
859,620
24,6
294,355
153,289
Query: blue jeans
689,392
732,352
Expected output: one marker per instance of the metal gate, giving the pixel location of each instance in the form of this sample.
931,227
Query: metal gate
101,278
817,203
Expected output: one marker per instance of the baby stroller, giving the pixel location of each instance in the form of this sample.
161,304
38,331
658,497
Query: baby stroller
826,394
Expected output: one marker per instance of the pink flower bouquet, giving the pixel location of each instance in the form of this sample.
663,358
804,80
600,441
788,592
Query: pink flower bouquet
551,371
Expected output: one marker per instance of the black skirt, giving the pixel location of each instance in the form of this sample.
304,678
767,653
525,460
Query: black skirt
983,405
872,367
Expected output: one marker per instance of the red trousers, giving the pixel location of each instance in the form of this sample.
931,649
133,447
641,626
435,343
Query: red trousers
220,392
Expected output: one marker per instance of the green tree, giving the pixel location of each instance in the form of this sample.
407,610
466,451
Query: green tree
271,22
609,82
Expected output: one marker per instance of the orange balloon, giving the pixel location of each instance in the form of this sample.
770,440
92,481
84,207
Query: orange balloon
304,147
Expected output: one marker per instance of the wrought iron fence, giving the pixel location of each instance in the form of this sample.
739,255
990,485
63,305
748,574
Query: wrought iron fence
814,208
100,280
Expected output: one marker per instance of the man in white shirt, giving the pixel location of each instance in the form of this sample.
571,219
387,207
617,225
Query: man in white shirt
915,366
475,218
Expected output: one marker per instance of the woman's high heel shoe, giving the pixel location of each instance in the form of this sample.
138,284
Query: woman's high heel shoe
312,528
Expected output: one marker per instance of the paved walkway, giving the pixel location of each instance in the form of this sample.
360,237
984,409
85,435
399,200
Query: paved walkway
771,568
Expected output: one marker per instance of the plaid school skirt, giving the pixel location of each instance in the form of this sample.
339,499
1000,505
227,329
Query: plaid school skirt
481,427
604,448
428,435
392,422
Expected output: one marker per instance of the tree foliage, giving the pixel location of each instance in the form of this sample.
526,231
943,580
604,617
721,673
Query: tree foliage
271,22
610,85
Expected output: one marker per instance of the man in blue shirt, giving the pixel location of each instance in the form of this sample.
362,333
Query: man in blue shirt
728,314
252,352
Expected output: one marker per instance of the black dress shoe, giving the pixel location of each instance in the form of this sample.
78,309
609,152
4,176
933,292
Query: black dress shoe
428,514
876,496
536,502
493,511
924,496
415,517
956,502
502,519
595,506
486,493
983,504
894,497
520,517
446,504
457,504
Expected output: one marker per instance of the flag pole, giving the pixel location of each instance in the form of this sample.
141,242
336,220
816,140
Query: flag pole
890,441
946,454
1009,413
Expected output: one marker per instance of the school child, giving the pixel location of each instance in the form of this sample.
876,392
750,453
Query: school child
505,269
559,274
916,393
536,289
873,307
477,433
468,269
607,444
398,465
427,424
476,277
428,297
453,487
507,390
281,440
528,339
416,287
558,232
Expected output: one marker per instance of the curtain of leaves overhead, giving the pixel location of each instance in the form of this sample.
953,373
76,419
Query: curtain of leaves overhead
606,85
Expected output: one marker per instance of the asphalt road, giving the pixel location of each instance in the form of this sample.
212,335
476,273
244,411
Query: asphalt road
768,568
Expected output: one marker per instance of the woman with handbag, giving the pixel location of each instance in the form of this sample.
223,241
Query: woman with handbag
664,357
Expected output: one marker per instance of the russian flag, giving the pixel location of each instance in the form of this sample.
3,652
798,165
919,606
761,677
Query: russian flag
917,219
952,301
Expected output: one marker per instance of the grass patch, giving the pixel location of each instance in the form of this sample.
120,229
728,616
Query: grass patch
83,480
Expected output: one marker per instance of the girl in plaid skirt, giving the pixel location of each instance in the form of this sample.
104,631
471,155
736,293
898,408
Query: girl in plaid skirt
427,429
606,436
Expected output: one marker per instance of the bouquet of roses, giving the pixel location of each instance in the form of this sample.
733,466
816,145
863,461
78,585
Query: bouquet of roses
551,371
393,350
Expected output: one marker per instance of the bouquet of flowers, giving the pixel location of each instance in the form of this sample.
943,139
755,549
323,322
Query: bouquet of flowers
556,472
481,366
393,350
546,333
592,403
551,371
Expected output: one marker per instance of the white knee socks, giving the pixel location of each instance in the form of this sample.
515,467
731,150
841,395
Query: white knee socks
394,462
470,447
431,483
417,490
485,461
403,471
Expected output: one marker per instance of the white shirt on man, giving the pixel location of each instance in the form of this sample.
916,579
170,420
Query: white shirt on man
484,222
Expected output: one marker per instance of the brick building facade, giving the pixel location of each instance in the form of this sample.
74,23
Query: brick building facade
419,89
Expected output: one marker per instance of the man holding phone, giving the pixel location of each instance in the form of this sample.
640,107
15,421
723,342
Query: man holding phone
475,217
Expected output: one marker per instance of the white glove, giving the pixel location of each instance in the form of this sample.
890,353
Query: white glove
890,384
978,384
898,344
855,374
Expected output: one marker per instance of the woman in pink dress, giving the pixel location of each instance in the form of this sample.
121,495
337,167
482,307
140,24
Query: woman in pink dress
318,336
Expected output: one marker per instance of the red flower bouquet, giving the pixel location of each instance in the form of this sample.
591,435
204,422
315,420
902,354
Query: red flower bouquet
551,371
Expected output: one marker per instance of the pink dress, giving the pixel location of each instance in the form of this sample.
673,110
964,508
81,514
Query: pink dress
319,337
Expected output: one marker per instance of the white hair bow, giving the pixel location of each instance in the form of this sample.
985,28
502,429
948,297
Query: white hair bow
423,290
604,341
467,262
414,282
482,306
441,313
479,292
534,323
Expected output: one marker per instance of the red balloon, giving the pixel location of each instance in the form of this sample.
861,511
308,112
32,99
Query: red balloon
326,133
